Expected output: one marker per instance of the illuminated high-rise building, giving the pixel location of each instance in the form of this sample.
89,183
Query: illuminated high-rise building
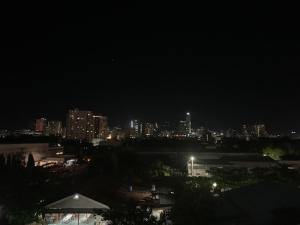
80,125
259,130
182,130
245,132
188,123
148,129
100,127
54,128
40,125
135,128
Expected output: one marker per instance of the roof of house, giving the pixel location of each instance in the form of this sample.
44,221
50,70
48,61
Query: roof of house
76,203
252,158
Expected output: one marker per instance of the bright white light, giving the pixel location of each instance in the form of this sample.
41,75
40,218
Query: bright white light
192,158
76,196
109,137
188,113
214,184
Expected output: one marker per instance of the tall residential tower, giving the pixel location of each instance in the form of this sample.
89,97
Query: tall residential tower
188,124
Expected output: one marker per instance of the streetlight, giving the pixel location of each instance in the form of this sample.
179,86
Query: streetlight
214,185
192,160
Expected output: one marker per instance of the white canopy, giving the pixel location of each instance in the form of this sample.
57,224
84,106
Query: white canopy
76,202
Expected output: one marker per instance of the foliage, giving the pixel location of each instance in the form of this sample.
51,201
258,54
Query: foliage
274,153
132,216
194,207
233,178
2,161
158,168
287,216
126,165
195,204
22,216
30,162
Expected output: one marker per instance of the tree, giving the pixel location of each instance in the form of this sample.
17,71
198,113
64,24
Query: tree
274,153
21,216
9,161
132,215
2,161
194,207
30,162
158,168
287,216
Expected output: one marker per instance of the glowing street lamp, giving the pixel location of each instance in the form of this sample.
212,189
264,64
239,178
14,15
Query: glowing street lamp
213,188
192,160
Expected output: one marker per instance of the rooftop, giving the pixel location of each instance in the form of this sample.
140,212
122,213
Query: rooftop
76,203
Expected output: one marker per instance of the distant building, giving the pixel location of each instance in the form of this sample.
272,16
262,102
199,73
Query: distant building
135,128
200,132
188,124
165,129
118,133
40,125
100,127
64,132
259,130
25,132
231,133
54,128
4,133
245,132
148,129
182,129
80,125
204,162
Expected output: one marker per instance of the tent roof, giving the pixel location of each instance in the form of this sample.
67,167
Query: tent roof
76,201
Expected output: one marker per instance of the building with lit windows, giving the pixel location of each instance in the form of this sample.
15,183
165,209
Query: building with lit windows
54,128
188,124
100,127
149,129
80,125
40,125
135,128
259,130
182,128
245,132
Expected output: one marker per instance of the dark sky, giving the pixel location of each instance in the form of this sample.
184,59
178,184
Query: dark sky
227,65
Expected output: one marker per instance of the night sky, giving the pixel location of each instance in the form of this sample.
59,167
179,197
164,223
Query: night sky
227,66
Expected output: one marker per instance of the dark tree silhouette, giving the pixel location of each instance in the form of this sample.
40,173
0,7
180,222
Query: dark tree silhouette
132,216
195,207
8,161
30,162
2,161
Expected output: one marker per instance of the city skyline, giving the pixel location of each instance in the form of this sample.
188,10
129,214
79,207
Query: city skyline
36,123
94,127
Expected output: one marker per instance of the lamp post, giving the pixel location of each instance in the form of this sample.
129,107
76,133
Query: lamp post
192,169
